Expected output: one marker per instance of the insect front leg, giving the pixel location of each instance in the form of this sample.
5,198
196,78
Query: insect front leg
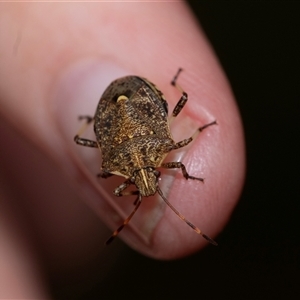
81,141
137,202
119,190
177,165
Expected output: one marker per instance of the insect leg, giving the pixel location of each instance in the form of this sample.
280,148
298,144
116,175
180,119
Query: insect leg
182,101
179,106
89,119
196,229
187,141
119,190
81,141
177,165
104,174
138,202
171,165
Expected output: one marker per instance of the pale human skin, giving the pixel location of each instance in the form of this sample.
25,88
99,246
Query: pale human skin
56,60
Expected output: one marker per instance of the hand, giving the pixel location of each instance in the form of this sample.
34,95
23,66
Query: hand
56,60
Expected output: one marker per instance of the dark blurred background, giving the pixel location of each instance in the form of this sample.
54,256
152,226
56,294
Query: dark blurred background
258,44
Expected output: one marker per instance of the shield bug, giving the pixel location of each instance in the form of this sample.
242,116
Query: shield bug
132,131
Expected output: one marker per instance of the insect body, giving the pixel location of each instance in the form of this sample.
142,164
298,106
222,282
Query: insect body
132,130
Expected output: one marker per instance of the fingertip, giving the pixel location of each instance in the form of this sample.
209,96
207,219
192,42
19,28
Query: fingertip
156,50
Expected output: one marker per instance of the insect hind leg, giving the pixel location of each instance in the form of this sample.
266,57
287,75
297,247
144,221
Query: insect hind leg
182,101
179,106
88,119
82,141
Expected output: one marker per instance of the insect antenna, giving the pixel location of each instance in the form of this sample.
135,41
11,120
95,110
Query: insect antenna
138,202
184,219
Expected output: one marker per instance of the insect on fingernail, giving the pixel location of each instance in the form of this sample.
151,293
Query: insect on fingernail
132,130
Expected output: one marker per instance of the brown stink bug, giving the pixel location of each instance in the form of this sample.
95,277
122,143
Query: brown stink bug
132,130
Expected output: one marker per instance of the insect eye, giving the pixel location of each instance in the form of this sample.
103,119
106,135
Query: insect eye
156,173
154,159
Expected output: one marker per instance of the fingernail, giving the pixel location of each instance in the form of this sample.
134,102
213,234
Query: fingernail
77,92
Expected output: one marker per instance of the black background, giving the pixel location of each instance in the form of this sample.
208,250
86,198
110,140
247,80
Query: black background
258,44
